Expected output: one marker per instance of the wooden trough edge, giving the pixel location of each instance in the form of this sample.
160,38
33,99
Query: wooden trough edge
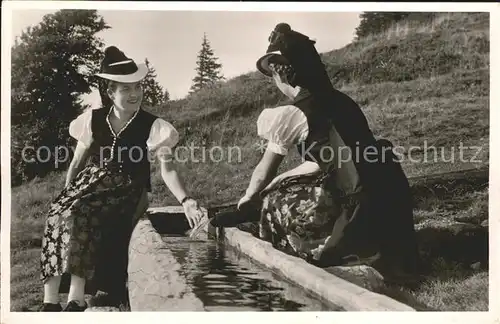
327,286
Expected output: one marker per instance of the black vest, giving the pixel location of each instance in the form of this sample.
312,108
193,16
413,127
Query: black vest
335,120
128,152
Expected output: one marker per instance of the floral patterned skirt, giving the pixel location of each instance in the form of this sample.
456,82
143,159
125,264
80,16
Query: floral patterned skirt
96,209
298,217
303,217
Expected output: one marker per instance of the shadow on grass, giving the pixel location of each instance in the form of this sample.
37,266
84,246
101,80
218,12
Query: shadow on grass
406,297
437,290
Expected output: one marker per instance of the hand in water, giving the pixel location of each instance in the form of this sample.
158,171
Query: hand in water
193,212
200,226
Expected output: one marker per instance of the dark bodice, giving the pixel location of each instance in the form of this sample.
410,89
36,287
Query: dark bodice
128,151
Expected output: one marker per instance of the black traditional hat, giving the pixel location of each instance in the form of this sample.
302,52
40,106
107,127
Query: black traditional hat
287,46
116,66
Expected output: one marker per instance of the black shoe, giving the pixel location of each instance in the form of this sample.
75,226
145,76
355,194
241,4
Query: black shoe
48,307
74,306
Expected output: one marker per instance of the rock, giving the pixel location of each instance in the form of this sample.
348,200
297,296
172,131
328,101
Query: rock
103,299
361,275
472,219
102,309
452,241
476,266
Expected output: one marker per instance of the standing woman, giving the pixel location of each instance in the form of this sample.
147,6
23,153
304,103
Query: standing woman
342,209
89,224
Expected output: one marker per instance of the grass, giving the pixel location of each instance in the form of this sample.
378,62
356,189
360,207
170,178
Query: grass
452,286
467,292
423,85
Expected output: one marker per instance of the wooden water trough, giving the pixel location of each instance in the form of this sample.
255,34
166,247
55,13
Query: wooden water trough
152,285
151,278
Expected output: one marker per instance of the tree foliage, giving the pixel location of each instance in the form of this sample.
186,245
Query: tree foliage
53,63
377,22
208,68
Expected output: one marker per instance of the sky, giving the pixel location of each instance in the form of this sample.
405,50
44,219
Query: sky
171,40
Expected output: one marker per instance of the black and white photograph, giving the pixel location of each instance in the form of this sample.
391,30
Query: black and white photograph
248,160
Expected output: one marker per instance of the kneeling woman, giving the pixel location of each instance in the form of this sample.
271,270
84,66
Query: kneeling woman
89,224
340,209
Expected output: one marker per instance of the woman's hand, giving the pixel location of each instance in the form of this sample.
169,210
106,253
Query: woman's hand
193,212
174,182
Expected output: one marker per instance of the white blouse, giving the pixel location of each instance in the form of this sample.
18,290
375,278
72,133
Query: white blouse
283,127
162,133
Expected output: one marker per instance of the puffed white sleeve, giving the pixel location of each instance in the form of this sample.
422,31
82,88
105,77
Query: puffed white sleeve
162,134
80,128
282,127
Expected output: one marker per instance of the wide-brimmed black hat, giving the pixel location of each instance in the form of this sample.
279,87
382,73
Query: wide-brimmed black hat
288,46
273,57
283,44
116,66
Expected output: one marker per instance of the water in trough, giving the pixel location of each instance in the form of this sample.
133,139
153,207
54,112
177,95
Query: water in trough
225,280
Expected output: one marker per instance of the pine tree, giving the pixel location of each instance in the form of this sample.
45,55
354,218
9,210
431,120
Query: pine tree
153,91
208,69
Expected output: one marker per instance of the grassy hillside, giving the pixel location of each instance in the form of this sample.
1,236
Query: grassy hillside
425,84
418,85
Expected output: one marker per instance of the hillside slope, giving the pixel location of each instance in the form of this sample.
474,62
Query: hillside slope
423,86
